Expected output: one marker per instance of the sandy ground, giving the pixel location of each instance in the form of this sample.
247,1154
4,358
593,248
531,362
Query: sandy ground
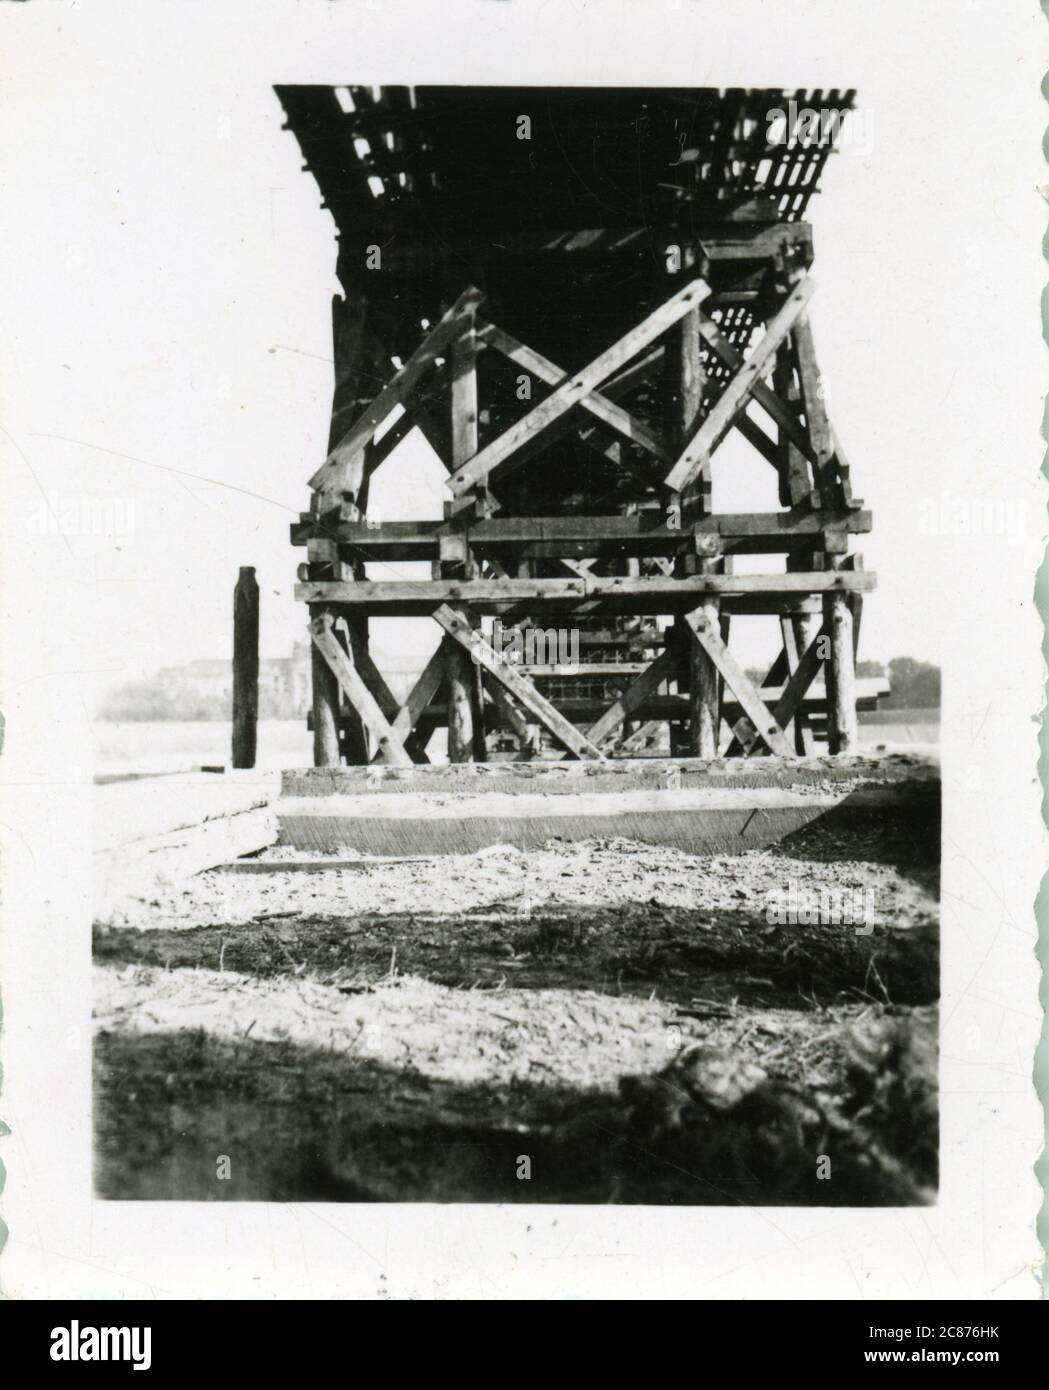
622,1016
588,873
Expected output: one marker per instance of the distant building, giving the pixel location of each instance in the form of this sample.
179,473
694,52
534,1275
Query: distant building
211,680
284,682
287,679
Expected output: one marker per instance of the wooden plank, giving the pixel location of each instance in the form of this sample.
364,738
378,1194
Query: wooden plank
758,439
499,454
593,436
634,696
341,459
524,692
492,595
358,694
245,668
737,680
641,535
598,405
634,605
733,400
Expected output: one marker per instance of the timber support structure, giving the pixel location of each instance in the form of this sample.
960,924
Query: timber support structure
578,353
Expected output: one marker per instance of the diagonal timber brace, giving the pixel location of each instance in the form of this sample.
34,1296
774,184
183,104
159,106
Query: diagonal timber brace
632,698
335,473
740,390
738,682
499,456
358,694
596,404
457,626
789,705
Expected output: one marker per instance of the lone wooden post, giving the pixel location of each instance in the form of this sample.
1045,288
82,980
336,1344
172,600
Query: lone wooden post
245,667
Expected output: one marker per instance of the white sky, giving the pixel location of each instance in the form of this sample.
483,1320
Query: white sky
165,339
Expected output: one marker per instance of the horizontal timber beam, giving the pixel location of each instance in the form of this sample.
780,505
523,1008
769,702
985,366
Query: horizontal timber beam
581,536
585,710
648,595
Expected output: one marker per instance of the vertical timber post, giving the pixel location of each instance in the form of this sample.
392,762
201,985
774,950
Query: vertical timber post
805,627
460,705
704,685
358,748
842,728
245,667
705,692
348,347
326,752
463,686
